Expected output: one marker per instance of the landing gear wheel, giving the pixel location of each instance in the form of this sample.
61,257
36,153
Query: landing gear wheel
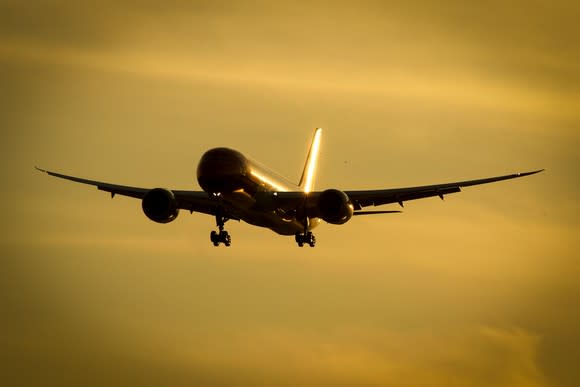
214,237
299,239
225,238
221,237
311,240
305,238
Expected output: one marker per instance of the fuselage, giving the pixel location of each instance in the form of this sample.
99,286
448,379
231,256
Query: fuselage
247,189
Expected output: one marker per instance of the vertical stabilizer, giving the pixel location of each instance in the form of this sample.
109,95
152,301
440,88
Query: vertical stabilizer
307,179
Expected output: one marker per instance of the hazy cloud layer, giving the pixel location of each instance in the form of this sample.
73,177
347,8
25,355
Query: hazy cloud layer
478,290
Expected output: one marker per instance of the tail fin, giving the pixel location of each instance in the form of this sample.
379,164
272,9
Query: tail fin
307,179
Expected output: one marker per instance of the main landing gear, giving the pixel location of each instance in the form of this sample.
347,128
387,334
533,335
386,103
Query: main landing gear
306,237
222,236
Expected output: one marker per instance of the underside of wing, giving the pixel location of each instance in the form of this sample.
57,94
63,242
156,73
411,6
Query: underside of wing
192,201
375,212
114,189
360,199
366,198
200,201
196,201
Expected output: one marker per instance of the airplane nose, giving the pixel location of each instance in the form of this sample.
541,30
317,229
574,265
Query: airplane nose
221,170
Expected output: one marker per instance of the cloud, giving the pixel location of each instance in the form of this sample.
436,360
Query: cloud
478,290
238,46
179,354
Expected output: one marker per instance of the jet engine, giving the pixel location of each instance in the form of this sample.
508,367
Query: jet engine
334,206
160,205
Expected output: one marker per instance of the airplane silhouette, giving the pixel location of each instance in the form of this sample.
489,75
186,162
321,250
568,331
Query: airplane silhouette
236,187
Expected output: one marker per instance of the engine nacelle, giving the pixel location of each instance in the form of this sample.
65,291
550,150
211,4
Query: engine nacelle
334,206
160,205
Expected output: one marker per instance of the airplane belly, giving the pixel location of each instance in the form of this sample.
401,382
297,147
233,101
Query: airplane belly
272,221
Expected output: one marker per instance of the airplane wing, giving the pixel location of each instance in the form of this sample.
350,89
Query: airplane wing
198,201
360,199
379,197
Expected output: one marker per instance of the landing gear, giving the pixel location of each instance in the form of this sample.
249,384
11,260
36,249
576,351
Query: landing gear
303,238
222,236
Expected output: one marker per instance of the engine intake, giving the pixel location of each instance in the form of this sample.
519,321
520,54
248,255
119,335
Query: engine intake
160,205
334,206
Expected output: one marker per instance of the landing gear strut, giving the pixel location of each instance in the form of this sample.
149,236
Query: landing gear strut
306,237
222,236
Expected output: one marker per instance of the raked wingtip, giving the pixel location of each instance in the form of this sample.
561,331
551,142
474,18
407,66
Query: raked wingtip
532,172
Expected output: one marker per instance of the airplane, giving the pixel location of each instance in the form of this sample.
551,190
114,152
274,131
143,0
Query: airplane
238,188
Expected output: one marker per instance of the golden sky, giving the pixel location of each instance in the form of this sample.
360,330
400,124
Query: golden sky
478,290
